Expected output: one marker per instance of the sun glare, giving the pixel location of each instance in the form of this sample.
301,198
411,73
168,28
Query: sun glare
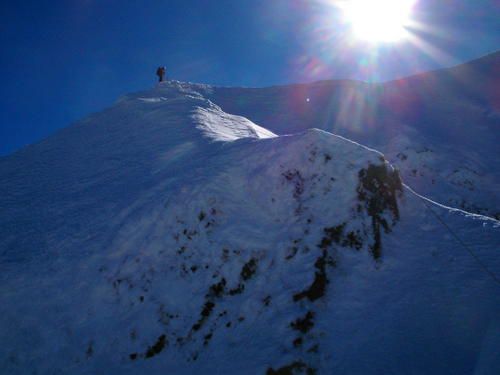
379,21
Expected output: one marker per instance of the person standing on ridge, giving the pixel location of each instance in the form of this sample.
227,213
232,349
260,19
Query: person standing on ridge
160,72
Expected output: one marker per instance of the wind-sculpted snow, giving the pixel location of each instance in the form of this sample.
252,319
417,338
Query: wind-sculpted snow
221,126
181,239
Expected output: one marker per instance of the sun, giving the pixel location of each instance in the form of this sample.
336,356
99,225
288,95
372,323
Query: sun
379,20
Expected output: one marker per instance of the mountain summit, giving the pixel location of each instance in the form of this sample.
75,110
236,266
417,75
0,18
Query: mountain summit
165,235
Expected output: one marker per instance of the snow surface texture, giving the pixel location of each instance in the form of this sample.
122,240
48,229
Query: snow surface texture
164,235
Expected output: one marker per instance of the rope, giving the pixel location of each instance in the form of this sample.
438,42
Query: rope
469,250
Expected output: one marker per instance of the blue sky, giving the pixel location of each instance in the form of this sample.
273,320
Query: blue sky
61,60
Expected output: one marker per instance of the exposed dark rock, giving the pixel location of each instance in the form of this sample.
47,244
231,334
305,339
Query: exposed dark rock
238,290
332,234
337,235
217,290
377,190
318,287
205,314
313,349
207,338
295,368
90,350
402,156
304,324
158,346
297,342
294,176
292,252
249,269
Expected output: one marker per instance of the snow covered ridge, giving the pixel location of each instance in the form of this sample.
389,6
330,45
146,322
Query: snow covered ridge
210,119
441,129
165,235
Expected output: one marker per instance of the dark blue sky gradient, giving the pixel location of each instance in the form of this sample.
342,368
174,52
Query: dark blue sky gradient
61,60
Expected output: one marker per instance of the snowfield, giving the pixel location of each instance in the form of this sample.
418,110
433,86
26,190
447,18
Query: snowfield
164,235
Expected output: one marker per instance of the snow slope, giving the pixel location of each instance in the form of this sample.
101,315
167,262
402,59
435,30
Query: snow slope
165,235
71,183
441,129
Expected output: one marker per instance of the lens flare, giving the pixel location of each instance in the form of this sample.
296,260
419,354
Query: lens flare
379,21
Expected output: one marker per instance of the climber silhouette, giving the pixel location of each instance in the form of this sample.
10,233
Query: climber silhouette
160,72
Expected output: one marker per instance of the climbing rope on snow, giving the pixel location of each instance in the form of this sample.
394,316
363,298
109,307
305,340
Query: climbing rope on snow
452,232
